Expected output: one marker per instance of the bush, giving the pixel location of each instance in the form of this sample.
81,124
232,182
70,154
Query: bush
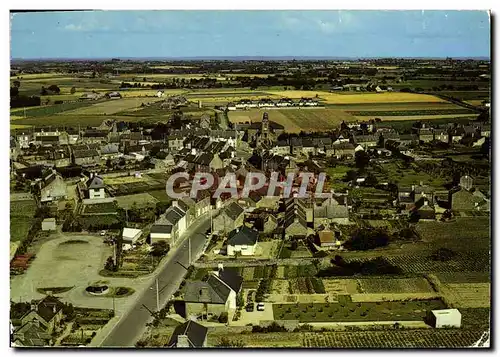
223,318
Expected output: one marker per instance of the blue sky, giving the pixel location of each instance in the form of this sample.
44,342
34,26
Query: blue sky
336,33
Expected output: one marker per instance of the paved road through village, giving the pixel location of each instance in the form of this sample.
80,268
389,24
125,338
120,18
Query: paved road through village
132,325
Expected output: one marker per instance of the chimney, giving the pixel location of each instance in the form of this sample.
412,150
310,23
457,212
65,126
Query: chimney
204,294
182,341
426,202
54,310
413,187
33,306
220,267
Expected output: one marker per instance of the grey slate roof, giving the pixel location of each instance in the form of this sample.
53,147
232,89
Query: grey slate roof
243,236
95,182
195,333
234,210
217,291
231,278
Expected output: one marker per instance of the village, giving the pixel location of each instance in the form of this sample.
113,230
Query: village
266,263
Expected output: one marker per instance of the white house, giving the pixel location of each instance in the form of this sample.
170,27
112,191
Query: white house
170,226
131,235
95,185
242,240
446,318
160,94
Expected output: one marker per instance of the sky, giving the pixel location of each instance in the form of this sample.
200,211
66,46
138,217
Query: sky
331,33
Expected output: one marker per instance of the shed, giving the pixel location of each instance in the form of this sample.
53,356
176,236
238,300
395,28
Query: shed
446,318
131,235
49,224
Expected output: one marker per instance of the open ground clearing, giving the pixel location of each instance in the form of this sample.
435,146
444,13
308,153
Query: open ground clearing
139,199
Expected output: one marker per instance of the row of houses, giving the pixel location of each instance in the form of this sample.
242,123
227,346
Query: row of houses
269,103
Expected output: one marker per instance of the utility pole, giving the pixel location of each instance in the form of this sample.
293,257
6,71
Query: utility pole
157,296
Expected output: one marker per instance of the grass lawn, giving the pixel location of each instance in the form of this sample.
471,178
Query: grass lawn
161,195
21,218
357,312
109,207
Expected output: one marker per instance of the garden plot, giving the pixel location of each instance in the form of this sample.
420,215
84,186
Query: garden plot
394,285
421,338
341,286
468,295
357,312
140,200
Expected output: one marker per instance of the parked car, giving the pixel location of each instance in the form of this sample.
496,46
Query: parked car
103,233
260,306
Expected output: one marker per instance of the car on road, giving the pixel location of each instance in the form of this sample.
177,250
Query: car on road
260,306
249,307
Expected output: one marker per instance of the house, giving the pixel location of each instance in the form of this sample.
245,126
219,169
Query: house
445,318
212,297
160,94
230,218
242,240
328,239
330,211
95,136
49,224
425,135
464,200
423,210
24,140
282,147
170,226
113,95
131,235
295,223
110,151
48,312
441,135
190,334
267,223
366,141
175,143
341,150
231,106
86,157
95,186
31,334
53,187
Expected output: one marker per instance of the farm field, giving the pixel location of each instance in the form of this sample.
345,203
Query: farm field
112,106
357,312
410,112
395,285
469,295
48,109
21,218
334,98
295,120
421,338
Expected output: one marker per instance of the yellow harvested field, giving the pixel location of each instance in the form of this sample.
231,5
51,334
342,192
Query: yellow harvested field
334,98
296,120
16,117
112,106
413,117
39,75
19,126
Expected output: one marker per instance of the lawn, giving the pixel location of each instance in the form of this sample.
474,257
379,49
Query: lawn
108,207
357,312
139,199
21,218
113,106
161,195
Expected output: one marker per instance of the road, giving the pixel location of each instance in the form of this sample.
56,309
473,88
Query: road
132,325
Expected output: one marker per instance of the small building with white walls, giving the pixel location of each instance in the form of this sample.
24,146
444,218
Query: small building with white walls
446,318
131,235
242,240
49,224
95,185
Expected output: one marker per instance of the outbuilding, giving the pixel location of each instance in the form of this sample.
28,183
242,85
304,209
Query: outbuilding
49,224
131,235
446,318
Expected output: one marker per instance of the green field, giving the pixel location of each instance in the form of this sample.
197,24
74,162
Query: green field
49,109
21,218
411,112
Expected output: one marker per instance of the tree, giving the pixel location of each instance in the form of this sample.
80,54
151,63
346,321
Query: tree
14,91
225,342
72,90
160,248
54,88
362,159
110,264
17,84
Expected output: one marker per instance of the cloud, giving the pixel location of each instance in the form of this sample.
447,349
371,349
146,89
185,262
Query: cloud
73,27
